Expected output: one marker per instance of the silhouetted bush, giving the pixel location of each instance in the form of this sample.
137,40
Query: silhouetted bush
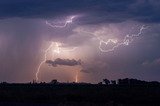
54,81
106,81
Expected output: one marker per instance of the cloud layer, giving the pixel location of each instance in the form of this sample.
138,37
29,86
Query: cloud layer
93,11
66,62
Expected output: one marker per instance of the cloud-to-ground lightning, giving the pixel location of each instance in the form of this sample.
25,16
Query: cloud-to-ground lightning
76,78
57,49
126,41
45,58
64,24
114,42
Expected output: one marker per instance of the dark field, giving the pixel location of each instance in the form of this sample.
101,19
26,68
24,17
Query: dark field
79,95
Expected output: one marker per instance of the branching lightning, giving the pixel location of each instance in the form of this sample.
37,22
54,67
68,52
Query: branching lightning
57,49
126,41
70,50
68,21
45,58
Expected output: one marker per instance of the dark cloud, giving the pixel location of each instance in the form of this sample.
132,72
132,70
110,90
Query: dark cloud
66,62
94,11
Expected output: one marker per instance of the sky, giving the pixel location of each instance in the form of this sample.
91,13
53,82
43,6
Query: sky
79,40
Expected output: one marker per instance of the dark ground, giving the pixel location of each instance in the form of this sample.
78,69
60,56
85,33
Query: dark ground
79,95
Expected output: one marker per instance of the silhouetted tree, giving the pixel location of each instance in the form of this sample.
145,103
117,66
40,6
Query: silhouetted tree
54,81
113,82
4,83
34,81
128,81
106,81
100,83
125,81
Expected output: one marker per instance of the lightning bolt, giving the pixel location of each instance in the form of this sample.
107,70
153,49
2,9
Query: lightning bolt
126,41
70,50
60,49
45,58
76,79
68,21
57,49
57,45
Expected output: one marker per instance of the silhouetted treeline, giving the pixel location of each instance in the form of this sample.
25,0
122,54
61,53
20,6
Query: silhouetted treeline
128,81
123,92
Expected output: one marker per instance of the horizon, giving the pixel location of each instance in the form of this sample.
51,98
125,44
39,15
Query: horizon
55,81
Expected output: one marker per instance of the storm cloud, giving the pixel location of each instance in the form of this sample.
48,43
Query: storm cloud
92,11
24,37
66,62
